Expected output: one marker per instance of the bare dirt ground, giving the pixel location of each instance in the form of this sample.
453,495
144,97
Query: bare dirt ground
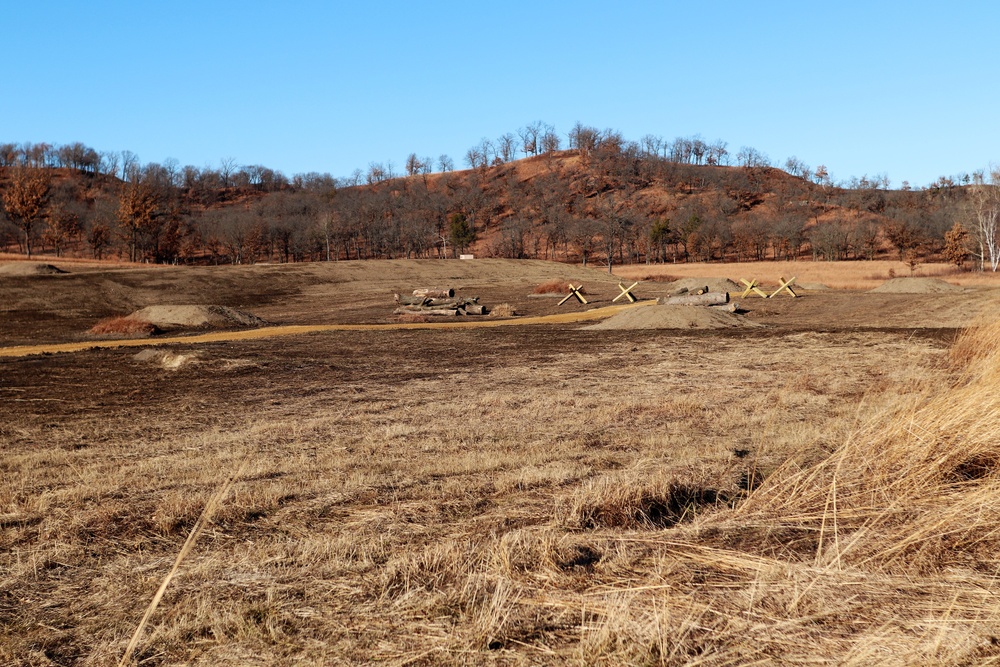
431,496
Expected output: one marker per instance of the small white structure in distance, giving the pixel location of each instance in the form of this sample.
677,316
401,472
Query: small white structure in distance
466,256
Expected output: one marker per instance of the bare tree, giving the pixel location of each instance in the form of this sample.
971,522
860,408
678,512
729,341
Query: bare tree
797,167
506,147
227,167
717,153
549,140
377,172
474,158
129,165
488,151
985,202
413,165
445,163
583,138
529,135
651,145
750,157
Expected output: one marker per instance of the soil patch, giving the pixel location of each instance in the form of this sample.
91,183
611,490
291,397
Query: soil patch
187,316
29,269
916,286
674,317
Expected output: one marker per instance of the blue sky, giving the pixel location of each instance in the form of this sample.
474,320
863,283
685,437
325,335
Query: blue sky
902,88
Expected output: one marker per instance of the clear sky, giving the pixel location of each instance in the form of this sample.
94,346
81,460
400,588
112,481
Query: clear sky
903,88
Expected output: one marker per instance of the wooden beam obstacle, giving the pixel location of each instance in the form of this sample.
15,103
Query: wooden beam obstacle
753,286
627,293
574,292
785,285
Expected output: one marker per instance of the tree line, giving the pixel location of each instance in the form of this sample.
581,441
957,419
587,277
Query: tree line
599,198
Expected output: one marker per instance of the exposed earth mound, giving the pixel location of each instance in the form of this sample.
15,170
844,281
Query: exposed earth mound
673,317
916,286
29,269
180,317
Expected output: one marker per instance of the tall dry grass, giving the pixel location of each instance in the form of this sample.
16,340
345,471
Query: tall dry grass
884,552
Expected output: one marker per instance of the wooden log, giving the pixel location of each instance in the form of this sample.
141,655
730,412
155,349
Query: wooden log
451,303
730,307
476,309
435,293
432,312
710,299
411,300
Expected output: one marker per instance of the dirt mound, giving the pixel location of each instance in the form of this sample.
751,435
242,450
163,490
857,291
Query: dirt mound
673,317
178,317
713,285
29,269
916,286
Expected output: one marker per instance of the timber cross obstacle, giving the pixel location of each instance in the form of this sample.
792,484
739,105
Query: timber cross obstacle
577,293
627,293
753,287
574,292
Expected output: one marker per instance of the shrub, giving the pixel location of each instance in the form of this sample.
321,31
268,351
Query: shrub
123,326
554,286
503,310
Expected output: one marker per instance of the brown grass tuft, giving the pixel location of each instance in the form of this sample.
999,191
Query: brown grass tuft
123,326
554,286
503,310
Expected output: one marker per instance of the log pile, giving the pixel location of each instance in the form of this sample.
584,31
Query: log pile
701,297
706,299
686,290
438,303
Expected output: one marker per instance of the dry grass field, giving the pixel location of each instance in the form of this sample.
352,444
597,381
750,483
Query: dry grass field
858,275
821,487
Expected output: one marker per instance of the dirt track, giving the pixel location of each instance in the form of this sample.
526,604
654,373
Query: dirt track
297,330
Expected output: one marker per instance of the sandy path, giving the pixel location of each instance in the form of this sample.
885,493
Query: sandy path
295,330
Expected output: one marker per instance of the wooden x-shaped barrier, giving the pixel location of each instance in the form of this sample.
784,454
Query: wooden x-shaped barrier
573,292
785,285
627,293
754,287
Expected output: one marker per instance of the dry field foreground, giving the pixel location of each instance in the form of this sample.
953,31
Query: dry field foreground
818,489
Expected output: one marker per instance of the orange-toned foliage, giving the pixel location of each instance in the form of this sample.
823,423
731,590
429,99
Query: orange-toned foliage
125,326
